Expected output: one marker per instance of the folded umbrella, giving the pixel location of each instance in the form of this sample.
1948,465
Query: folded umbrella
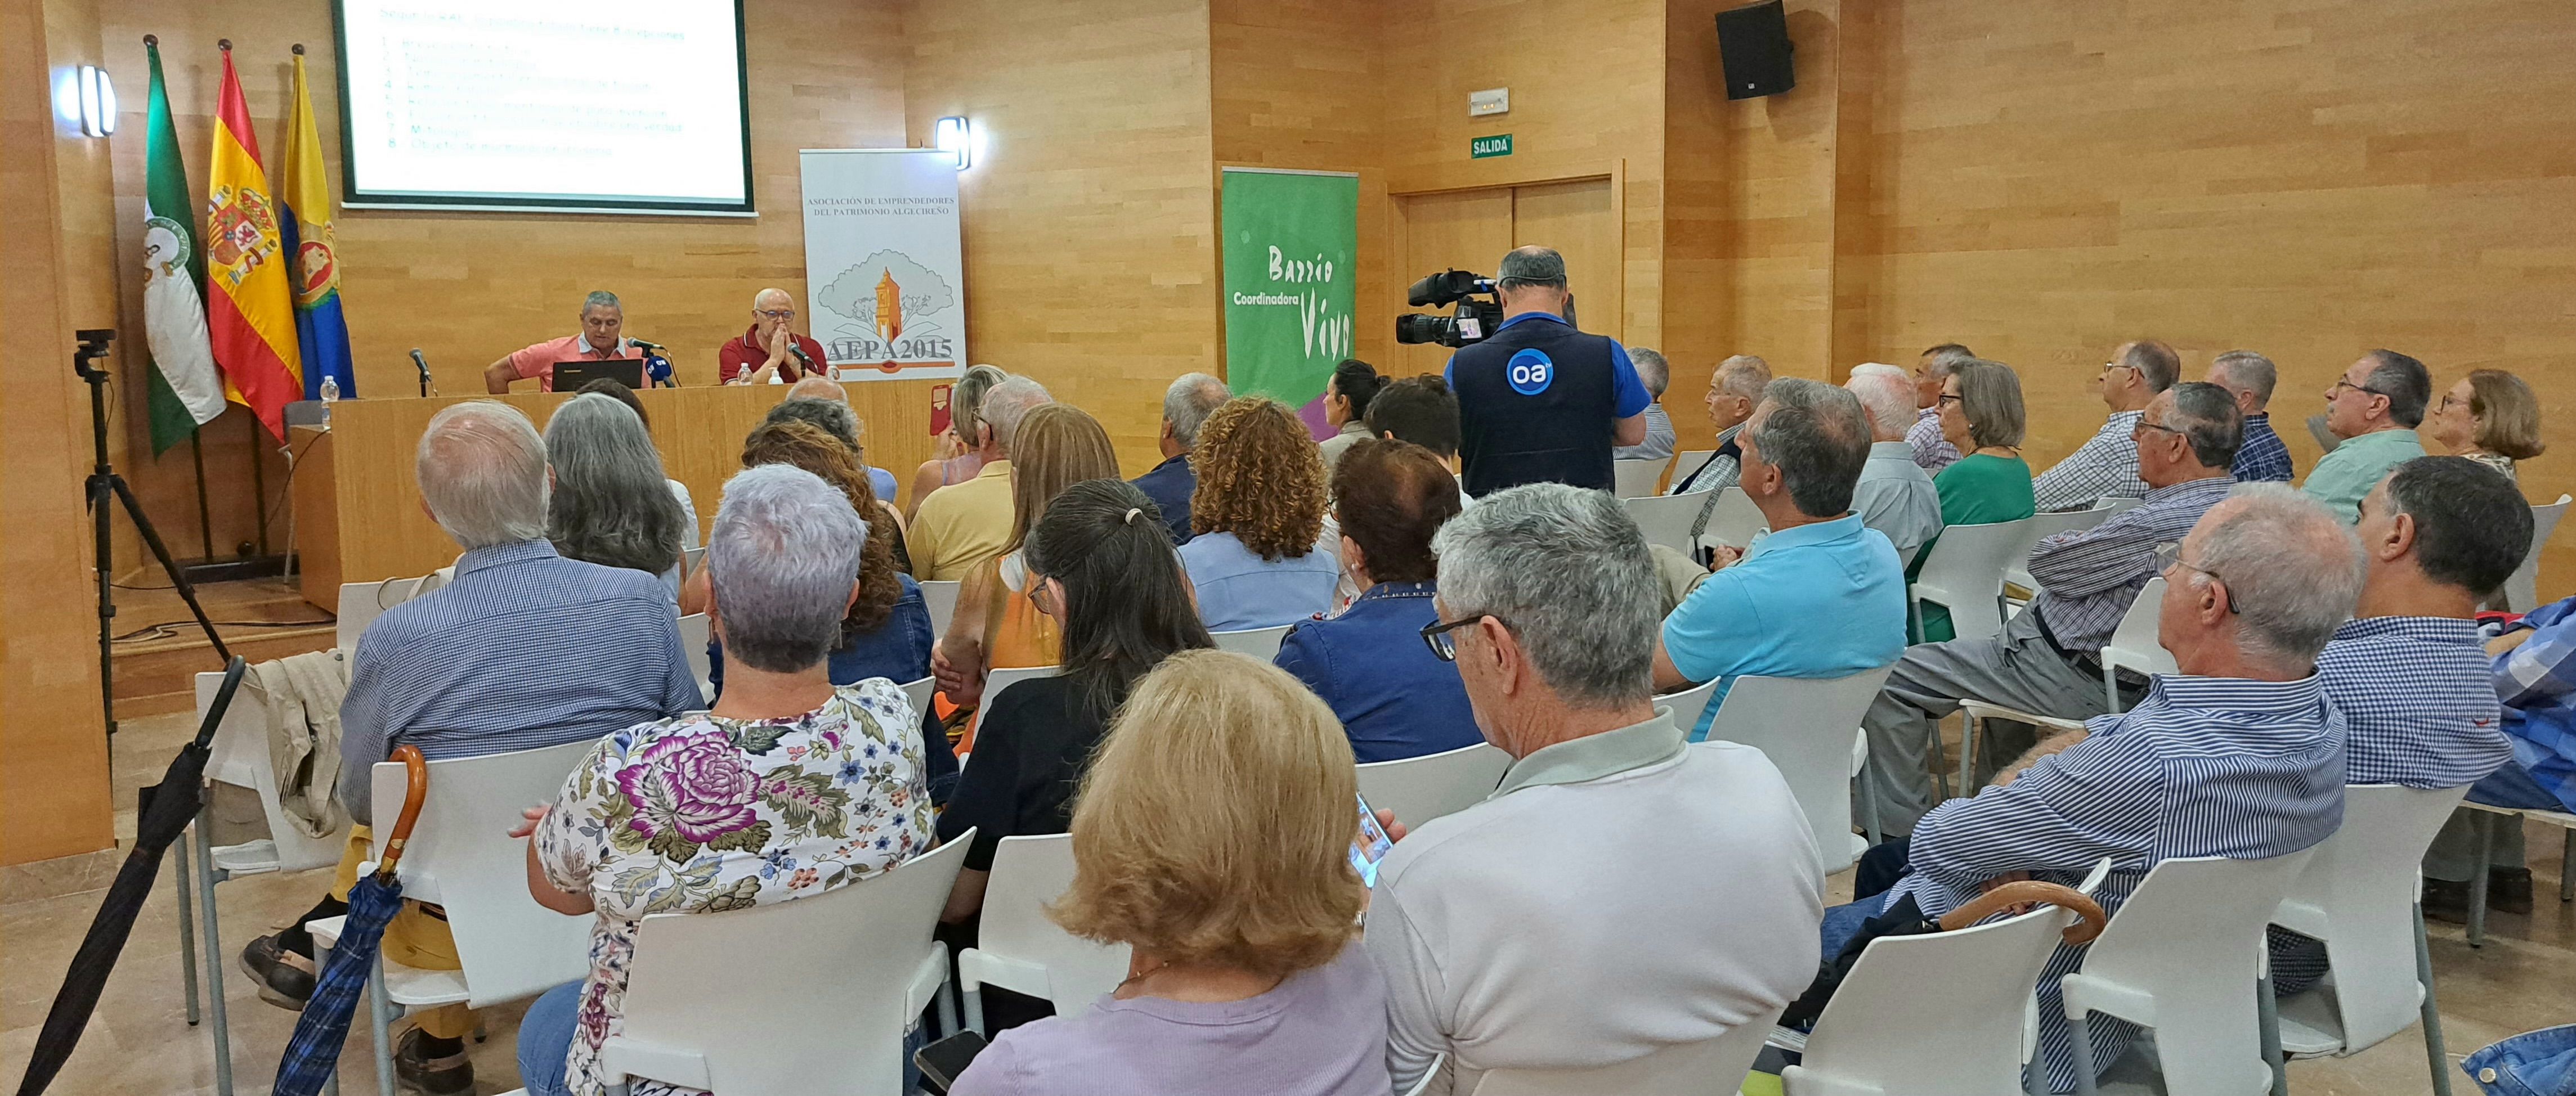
313,1052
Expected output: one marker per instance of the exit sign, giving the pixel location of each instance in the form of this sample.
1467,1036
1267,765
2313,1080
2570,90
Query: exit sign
1479,148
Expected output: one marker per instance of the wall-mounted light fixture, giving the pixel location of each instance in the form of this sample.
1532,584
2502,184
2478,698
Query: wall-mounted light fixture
954,136
97,97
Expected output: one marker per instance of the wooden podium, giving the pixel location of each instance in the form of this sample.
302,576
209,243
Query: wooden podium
358,516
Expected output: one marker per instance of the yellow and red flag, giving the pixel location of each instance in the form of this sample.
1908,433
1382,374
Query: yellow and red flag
250,309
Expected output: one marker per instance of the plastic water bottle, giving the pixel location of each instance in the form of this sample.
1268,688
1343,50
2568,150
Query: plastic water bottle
330,389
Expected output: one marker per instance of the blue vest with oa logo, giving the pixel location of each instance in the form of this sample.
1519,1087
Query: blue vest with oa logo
1536,404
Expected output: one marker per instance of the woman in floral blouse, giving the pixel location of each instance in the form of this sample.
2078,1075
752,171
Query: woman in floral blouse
790,787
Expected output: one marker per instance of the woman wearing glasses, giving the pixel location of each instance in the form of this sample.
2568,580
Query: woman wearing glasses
770,353
2490,417
1981,414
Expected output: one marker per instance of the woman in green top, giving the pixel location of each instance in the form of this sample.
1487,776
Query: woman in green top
1981,413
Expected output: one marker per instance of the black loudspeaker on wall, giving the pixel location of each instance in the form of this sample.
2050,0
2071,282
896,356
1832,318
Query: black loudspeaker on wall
1753,43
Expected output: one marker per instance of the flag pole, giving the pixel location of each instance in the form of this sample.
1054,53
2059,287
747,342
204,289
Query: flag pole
205,517
258,482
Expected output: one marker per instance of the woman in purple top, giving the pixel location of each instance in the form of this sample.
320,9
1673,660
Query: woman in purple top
1212,837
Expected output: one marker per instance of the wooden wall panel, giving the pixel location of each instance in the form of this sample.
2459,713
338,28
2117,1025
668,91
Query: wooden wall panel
1461,229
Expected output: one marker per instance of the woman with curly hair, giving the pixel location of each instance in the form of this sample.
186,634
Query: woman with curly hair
886,632
1258,557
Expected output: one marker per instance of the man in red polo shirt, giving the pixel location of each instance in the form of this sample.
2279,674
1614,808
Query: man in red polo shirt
601,338
771,353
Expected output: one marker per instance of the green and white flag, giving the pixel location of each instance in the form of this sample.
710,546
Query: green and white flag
186,391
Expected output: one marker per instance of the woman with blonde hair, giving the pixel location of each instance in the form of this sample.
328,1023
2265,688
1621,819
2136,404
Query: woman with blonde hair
1212,837
1055,446
1258,557
963,444
2490,417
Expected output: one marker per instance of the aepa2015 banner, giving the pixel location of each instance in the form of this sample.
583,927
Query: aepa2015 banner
1291,241
884,287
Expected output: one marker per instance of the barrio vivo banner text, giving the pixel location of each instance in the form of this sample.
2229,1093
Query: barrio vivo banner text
1291,242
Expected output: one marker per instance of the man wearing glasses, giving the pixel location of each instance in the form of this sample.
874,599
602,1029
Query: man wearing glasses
2107,466
771,353
2374,407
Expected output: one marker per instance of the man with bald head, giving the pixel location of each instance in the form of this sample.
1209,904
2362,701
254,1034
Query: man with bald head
771,352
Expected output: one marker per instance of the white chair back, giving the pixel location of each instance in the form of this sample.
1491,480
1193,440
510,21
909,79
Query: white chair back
1635,479
1714,1067
2180,956
1666,519
941,599
1689,704
1690,461
693,558
2045,525
240,758
362,602
695,633
2358,895
998,680
1876,1035
1019,949
1260,643
920,692
1805,727
1419,789
1965,574
2521,591
2134,644
715,1002
461,857
1735,519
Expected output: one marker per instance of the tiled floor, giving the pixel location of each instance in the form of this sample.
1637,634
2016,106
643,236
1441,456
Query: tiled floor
140,1043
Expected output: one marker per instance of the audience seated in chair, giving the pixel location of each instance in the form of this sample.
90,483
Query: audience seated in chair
1186,407
523,649
997,624
1259,559
1657,375
609,503
826,404
1980,414
1212,836
612,387
1622,891
1934,449
1346,402
2374,407
1423,411
791,786
964,445
2045,661
2239,755
1894,495
2489,416
2107,465
1822,595
2250,377
1393,697
963,526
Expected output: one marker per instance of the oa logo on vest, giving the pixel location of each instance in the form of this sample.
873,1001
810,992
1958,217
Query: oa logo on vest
1531,371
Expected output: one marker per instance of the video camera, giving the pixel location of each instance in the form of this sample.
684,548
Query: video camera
1479,310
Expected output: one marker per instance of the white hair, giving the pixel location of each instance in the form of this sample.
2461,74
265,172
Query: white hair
482,471
782,560
1188,403
1567,571
2292,571
1009,402
1887,393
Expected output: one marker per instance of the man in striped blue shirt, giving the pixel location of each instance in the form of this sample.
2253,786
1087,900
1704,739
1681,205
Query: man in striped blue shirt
2240,755
2250,377
523,649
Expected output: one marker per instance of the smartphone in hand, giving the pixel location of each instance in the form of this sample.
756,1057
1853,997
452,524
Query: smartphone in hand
1371,846
943,1060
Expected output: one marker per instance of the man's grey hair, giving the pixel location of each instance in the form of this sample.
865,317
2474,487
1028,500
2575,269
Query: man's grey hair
1818,437
1887,394
2292,571
1944,358
2246,371
1652,370
482,470
1531,265
610,505
1744,375
600,298
814,386
1188,403
833,416
782,559
2406,383
1008,403
2209,419
1567,571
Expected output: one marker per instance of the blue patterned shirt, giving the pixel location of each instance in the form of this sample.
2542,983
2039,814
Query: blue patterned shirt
2419,706
2104,466
2537,684
2203,766
2088,578
2260,457
524,649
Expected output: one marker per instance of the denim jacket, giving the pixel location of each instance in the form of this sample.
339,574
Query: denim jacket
1394,697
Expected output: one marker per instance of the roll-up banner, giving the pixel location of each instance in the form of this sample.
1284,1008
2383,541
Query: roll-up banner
885,290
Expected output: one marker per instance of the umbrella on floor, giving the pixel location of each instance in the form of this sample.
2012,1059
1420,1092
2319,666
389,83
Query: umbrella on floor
313,1052
167,808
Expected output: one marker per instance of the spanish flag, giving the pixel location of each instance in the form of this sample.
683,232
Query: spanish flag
315,266
250,312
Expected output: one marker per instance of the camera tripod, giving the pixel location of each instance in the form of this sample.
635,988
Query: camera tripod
103,481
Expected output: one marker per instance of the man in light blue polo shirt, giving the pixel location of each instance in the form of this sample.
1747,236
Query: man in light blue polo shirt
1821,595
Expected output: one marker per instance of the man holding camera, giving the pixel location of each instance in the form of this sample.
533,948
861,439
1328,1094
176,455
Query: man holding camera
1538,401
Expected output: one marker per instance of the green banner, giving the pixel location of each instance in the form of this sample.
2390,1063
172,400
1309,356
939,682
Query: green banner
1291,282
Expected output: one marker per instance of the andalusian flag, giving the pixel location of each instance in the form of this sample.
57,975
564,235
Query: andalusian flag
186,392
251,313
306,192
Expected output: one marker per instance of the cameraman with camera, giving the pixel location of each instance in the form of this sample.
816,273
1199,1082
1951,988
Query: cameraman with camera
1538,401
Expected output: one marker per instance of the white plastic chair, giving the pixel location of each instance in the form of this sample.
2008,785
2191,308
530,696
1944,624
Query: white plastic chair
997,680
2486,819
1734,521
1714,1067
941,599
1666,519
1019,949
1688,462
694,558
2358,895
695,633
1876,1037
1419,789
714,1002
1965,574
2134,644
1805,727
2184,956
362,602
461,858
1635,479
1260,643
2521,591
2045,525
920,693
1689,704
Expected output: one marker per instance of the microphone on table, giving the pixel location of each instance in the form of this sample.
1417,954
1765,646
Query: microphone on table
423,365
657,366
802,358
646,345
